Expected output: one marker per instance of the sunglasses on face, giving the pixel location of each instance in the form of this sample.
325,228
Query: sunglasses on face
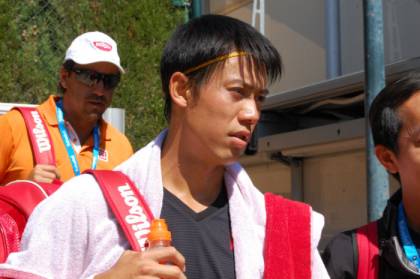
90,78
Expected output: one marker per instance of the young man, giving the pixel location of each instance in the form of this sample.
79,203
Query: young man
215,71
88,78
395,121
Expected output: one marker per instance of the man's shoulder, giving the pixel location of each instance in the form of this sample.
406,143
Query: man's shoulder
342,240
12,118
14,121
111,132
117,140
79,191
339,255
12,114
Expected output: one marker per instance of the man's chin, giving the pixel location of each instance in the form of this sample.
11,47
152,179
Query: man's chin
95,115
233,157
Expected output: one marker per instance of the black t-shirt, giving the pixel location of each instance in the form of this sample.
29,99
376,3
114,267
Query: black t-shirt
203,238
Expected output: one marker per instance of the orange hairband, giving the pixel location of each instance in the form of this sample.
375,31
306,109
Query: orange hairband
217,59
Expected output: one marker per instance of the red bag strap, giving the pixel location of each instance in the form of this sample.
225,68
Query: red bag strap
127,204
42,146
368,251
287,248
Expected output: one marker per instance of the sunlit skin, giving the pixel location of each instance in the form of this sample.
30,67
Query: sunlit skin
84,105
209,130
407,161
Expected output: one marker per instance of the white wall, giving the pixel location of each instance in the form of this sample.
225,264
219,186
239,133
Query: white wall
272,177
296,27
300,42
401,35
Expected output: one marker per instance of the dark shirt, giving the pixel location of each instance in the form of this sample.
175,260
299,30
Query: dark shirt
203,238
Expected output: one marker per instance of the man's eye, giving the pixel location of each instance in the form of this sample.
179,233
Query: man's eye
261,98
417,142
238,90
93,76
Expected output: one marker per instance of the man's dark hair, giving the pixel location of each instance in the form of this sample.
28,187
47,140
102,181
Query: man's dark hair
208,37
68,66
384,117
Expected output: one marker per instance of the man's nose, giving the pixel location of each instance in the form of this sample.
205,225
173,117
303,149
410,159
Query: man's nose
249,113
98,87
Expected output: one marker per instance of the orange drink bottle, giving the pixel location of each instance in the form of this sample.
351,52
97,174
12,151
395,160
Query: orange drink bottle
159,236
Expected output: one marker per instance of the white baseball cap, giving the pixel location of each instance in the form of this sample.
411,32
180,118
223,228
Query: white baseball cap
92,47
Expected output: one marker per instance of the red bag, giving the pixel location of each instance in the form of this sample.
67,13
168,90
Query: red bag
19,198
367,251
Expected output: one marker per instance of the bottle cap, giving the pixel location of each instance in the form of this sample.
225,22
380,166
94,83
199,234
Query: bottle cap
159,231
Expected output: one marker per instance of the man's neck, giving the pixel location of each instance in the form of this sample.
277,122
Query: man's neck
194,182
82,127
412,211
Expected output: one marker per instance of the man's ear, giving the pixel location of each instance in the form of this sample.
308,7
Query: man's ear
387,158
179,89
64,74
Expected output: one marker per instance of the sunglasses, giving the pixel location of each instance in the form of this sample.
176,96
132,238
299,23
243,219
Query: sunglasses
90,78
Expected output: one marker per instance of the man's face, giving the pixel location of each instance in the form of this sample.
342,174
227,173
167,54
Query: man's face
407,161
82,100
223,115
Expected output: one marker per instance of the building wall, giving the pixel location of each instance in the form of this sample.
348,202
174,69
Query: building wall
296,27
334,184
300,43
271,177
401,41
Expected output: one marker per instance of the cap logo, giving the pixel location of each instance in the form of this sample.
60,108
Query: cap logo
102,46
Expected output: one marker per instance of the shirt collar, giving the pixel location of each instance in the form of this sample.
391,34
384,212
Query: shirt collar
49,110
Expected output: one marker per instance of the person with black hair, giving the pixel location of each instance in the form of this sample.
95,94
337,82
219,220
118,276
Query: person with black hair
215,71
394,118
87,79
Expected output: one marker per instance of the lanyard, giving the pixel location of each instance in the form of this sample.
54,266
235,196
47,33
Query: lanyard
67,143
409,248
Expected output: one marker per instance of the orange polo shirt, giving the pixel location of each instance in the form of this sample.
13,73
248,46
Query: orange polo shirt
16,159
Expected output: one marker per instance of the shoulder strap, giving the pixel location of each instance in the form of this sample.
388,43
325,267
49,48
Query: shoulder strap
42,146
127,204
368,251
287,252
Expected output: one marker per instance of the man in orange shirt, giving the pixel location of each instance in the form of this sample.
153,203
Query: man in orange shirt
88,77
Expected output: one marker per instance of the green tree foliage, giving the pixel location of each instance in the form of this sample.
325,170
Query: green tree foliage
34,35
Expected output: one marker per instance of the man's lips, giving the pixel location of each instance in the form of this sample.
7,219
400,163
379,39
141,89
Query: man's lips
243,136
96,101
